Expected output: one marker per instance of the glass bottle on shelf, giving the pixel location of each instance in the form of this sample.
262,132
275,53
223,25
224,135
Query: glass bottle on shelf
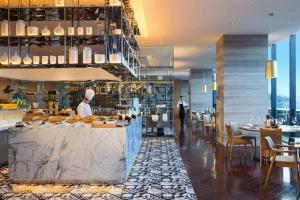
61,59
59,30
15,59
53,60
99,58
36,60
71,31
27,60
89,30
4,28
73,55
80,30
4,59
45,60
32,30
20,28
45,31
100,27
87,55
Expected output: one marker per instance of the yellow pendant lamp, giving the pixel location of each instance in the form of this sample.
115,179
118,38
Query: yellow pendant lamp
213,86
271,70
203,88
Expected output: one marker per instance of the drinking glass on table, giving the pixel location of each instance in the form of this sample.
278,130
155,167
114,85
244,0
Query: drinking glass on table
280,121
294,121
252,119
258,120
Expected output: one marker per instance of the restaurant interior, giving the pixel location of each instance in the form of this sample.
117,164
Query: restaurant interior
140,99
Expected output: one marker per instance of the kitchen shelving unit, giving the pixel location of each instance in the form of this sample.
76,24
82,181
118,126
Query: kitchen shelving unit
112,14
162,93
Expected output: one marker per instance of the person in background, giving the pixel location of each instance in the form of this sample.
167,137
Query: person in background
84,108
181,104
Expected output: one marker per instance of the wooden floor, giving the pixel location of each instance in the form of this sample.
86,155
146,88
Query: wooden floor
214,177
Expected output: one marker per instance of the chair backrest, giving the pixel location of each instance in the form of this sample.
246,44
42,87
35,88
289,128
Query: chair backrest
207,119
236,128
270,143
198,116
274,134
230,133
213,119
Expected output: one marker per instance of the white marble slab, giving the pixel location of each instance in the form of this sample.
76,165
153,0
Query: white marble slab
68,154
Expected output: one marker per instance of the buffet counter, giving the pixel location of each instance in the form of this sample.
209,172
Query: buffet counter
8,119
73,154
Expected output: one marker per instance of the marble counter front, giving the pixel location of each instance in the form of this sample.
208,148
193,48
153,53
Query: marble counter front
73,155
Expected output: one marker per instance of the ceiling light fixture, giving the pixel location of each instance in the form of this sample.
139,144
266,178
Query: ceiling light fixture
213,85
203,88
271,69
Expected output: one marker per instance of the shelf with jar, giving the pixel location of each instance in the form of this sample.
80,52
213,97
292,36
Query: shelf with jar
58,3
91,36
52,56
98,60
110,15
21,29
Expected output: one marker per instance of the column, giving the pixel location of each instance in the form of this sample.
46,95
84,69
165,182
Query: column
242,88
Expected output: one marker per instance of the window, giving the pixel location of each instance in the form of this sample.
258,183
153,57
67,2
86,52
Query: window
282,52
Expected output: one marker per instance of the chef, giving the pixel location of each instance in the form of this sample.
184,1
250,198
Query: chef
84,108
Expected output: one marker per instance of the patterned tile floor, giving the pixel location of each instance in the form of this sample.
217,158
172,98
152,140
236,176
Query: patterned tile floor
158,173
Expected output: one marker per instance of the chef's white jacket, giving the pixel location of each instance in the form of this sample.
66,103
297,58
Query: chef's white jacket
84,109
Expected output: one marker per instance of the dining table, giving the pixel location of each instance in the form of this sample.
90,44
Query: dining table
256,128
253,131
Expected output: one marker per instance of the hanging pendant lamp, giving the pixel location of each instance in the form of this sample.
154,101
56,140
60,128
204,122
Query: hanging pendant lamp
203,88
213,86
271,70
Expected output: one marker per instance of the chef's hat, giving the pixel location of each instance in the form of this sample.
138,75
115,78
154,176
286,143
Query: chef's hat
89,94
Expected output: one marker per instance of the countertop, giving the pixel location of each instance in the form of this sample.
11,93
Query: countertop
73,155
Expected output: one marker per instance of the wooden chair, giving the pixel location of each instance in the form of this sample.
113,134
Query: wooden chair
208,123
199,119
276,135
279,160
236,140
